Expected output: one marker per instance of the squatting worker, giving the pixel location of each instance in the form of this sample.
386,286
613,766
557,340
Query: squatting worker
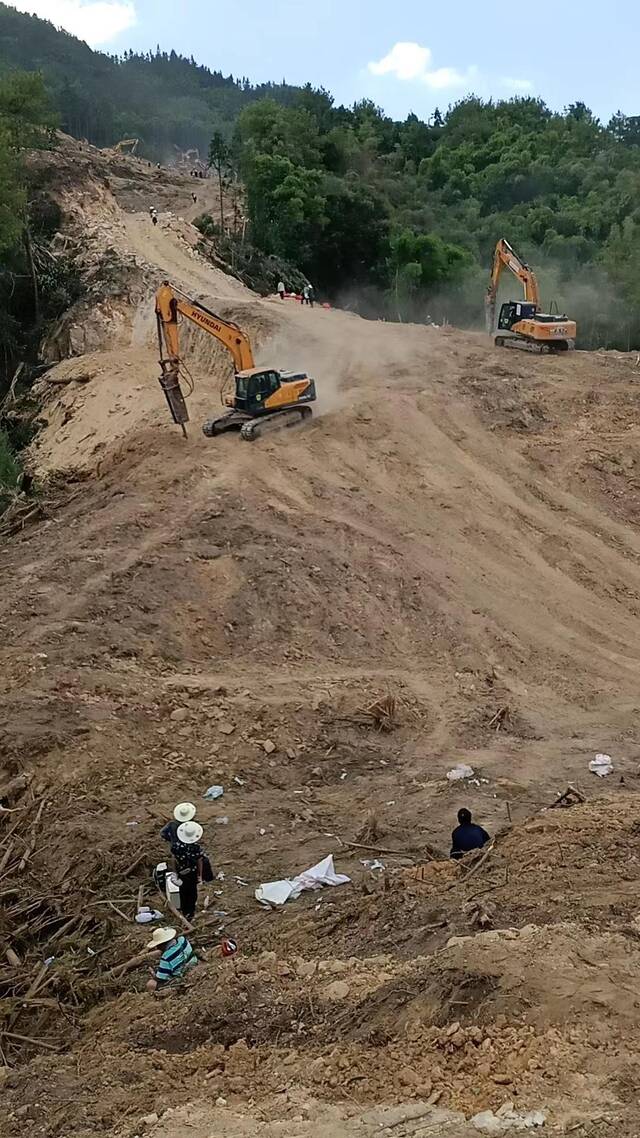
189,861
184,812
467,836
177,958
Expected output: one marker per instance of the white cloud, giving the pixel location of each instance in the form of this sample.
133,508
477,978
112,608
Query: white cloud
96,21
522,86
412,62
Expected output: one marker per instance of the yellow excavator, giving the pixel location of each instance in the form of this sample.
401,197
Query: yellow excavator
127,146
522,324
263,398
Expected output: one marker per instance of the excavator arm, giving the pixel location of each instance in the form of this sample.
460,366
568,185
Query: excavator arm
505,257
171,303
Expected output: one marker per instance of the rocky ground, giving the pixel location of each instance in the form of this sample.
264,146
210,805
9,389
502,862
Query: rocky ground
455,530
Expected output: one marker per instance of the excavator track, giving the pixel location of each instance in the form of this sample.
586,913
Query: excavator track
252,429
232,421
539,349
277,421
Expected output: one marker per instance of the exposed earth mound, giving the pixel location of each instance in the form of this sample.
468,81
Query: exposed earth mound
455,530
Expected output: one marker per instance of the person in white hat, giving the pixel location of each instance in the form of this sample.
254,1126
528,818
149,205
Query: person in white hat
184,812
189,861
177,957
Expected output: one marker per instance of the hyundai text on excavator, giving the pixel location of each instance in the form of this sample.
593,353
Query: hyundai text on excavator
263,398
522,324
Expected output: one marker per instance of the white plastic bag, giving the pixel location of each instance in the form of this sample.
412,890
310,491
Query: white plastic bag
602,765
277,892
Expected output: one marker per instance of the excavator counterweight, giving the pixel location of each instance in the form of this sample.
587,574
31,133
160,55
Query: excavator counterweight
263,398
522,324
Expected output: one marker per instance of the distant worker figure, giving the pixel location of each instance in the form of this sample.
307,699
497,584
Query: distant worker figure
194,198
177,958
281,289
467,836
154,215
310,295
305,295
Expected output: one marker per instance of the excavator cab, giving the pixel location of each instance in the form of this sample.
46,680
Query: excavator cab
253,389
513,311
260,394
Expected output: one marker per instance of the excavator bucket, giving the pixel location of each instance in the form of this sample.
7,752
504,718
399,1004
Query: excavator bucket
170,384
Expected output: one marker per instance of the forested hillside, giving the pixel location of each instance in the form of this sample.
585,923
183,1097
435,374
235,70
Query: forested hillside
407,214
161,98
395,218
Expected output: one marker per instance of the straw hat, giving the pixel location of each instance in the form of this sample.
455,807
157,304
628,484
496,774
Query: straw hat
184,812
190,833
161,936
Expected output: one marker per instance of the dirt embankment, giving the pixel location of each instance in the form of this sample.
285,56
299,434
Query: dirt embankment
456,528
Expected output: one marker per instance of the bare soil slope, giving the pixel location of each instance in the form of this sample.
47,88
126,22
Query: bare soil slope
457,528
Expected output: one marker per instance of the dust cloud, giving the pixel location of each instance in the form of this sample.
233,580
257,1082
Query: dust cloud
325,358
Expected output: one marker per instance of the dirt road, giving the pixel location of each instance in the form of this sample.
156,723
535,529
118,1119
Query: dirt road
456,527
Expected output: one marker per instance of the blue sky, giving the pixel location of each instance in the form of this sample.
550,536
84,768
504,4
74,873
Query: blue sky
405,54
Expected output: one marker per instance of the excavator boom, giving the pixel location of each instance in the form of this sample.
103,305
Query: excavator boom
505,257
170,303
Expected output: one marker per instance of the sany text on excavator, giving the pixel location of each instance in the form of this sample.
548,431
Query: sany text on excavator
521,324
263,398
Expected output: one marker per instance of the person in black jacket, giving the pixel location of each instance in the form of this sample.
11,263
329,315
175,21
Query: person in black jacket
189,858
467,836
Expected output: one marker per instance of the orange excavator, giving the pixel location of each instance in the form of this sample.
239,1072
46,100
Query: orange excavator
263,398
522,324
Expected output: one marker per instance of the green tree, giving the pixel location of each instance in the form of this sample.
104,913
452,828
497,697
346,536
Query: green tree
354,241
25,111
421,264
625,128
268,128
13,197
286,208
220,161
